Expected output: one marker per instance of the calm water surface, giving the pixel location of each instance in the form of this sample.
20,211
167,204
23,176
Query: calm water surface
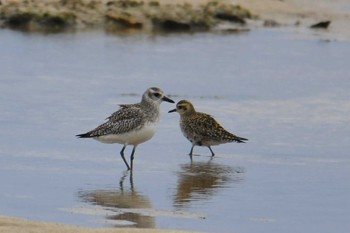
289,97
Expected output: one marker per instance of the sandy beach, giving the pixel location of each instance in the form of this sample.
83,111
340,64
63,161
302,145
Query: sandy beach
195,15
17,225
299,14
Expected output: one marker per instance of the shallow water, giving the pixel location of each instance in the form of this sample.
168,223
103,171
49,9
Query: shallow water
289,97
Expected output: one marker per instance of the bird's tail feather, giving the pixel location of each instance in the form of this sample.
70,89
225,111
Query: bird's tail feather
84,135
240,139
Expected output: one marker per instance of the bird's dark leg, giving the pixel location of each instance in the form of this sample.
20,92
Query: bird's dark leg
122,154
190,154
132,157
212,153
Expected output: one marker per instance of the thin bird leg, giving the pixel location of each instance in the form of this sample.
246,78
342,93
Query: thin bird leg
132,157
212,153
122,154
190,154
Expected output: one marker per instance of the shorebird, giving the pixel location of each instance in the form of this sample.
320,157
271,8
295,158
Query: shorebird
201,129
132,124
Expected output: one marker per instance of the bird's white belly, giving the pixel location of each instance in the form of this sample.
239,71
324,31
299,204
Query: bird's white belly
130,138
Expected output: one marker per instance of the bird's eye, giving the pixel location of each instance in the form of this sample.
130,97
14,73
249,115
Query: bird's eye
179,107
157,95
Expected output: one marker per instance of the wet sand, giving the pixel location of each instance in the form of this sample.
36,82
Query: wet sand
16,225
300,14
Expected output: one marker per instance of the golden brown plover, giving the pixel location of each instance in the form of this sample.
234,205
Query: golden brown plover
132,124
201,129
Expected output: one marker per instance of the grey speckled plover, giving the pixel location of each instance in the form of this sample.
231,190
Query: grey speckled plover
132,124
201,129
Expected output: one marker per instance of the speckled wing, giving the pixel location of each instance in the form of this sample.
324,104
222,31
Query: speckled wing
206,126
123,107
127,118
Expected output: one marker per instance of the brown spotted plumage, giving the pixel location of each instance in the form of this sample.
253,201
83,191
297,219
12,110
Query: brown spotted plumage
202,129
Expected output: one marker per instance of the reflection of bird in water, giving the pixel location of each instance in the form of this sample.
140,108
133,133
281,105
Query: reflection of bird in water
124,201
200,181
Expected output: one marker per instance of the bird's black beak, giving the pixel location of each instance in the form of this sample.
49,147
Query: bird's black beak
174,110
167,99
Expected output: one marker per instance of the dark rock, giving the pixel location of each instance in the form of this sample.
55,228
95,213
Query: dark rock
52,21
171,25
230,17
321,25
19,20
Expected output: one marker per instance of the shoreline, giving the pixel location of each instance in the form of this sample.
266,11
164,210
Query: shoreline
178,15
299,15
19,225
119,15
